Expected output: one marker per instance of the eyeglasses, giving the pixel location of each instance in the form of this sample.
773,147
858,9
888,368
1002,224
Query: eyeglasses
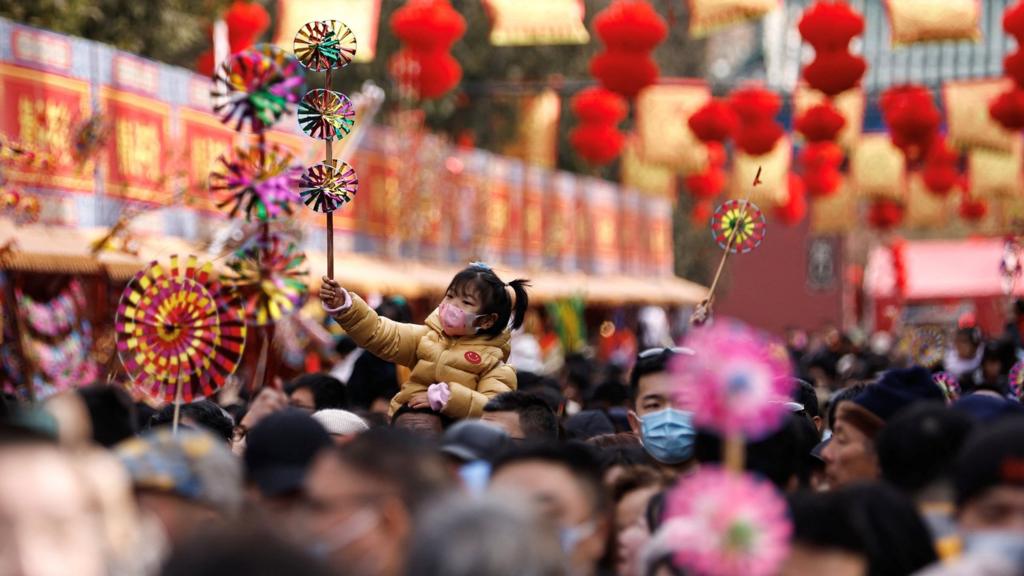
651,352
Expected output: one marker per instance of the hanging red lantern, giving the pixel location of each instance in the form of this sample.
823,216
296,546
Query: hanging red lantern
820,162
897,252
713,122
941,168
1013,21
829,26
701,212
759,138
716,154
756,108
246,21
427,29
597,138
820,123
1013,67
1008,109
835,72
973,210
885,214
912,117
792,212
706,185
630,30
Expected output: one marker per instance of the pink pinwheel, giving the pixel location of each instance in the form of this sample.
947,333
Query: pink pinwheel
737,381
724,524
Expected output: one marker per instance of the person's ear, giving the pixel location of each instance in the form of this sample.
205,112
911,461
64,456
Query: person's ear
634,422
818,423
487,322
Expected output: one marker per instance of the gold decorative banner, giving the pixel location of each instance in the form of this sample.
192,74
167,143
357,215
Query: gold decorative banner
774,187
665,136
361,16
836,213
967,117
926,211
877,168
538,130
995,174
849,104
537,22
649,179
706,16
913,21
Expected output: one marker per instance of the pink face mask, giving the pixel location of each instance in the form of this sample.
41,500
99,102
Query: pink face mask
455,320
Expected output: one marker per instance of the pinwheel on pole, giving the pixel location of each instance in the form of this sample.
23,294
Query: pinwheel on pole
322,46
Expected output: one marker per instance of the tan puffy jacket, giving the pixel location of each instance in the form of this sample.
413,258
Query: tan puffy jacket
473,366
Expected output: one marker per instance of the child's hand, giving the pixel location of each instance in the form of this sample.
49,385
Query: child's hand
332,295
418,400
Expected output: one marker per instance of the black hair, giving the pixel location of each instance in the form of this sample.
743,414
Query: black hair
848,393
493,295
111,412
545,387
780,457
581,460
204,412
536,418
805,394
819,522
240,549
404,409
888,524
401,460
648,363
328,391
919,446
971,333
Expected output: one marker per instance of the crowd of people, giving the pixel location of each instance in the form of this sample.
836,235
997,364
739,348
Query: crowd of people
423,453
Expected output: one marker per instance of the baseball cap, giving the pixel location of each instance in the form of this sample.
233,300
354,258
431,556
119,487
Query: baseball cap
471,440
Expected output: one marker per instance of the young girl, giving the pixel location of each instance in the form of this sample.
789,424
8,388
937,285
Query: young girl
458,357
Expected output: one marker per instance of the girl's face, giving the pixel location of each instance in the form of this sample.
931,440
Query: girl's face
467,300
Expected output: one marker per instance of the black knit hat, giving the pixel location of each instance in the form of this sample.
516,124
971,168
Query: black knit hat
872,408
920,445
994,456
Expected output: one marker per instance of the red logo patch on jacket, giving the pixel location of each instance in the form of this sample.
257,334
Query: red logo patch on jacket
473,358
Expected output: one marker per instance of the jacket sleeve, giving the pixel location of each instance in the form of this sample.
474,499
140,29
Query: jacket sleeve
393,341
468,403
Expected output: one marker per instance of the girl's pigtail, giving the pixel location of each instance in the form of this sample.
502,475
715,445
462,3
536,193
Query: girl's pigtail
521,304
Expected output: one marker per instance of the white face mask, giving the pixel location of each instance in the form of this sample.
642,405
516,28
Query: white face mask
1005,544
345,533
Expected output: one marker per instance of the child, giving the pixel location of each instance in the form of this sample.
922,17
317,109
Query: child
458,357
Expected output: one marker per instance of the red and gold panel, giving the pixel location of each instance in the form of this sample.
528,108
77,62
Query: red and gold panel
913,21
836,213
877,168
969,123
648,178
706,16
560,225
658,228
774,166
41,112
138,165
631,232
204,140
996,174
535,182
537,22
926,211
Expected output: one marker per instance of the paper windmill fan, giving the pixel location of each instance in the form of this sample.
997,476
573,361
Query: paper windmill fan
325,187
724,524
260,183
326,115
737,381
1016,379
178,329
325,44
255,87
738,226
950,385
269,275
925,345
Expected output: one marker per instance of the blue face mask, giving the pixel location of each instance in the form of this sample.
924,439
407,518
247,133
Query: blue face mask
668,435
1004,544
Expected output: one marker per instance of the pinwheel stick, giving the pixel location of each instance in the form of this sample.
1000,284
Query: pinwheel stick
734,453
177,409
330,215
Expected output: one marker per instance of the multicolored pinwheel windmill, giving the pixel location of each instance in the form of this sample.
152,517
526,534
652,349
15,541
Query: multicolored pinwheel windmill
255,87
270,277
259,181
179,333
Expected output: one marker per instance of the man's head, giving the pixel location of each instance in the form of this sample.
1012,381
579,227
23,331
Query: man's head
342,425
918,447
665,429
523,416
320,391
565,481
279,451
111,412
363,497
200,414
188,480
990,479
850,455
422,422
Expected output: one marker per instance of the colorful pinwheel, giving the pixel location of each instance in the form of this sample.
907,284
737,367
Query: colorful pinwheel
261,182
925,345
738,226
325,187
255,87
950,385
1016,379
326,115
325,44
737,381
179,334
269,275
723,524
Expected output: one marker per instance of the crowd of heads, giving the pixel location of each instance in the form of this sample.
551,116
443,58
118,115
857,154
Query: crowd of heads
883,473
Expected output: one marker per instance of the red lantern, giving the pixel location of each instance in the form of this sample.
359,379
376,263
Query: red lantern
1008,109
973,210
716,154
713,122
793,211
885,214
701,212
599,105
829,26
597,138
1013,67
941,170
759,138
912,117
820,123
821,162
1013,21
899,266
835,72
625,72
246,21
753,103
706,185
427,29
